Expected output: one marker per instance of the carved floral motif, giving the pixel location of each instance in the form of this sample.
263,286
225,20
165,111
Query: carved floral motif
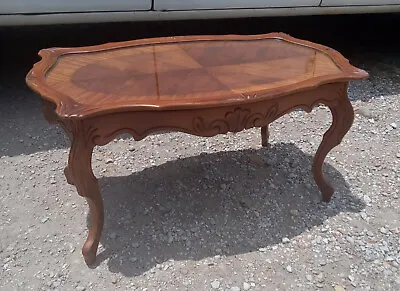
234,121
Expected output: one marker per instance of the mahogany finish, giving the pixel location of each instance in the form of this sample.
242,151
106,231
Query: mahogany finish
201,85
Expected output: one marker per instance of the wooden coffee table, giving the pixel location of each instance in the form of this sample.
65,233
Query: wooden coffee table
201,85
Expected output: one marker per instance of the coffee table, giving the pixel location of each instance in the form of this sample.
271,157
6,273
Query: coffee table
201,85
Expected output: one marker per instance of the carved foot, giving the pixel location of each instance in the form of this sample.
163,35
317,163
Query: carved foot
80,170
342,119
89,249
264,136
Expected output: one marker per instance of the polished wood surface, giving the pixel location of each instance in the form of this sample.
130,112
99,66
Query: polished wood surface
183,72
201,85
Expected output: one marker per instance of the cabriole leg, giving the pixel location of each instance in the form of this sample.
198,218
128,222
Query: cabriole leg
342,119
79,172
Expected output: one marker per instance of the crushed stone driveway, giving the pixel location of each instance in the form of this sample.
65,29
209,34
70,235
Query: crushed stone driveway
221,213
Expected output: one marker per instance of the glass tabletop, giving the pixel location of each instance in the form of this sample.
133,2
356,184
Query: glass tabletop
200,70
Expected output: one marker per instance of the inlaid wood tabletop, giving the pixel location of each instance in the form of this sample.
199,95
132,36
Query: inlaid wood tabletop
182,72
201,85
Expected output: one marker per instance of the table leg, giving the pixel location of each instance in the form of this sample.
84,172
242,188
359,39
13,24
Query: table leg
79,172
342,119
264,135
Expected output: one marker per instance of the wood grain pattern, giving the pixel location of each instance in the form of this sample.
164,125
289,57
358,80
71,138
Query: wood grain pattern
191,71
201,85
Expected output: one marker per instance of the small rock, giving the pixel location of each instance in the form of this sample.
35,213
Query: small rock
389,259
246,202
263,250
320,278
309,277
285,240
364,112
114,280
383,230
133,259
131,148
235,288
289,269
215,284
257,160
44,220
246,286
56,284
339,288
80,288
351,278
109,161
394,125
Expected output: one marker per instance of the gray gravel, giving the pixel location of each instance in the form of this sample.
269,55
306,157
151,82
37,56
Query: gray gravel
223,213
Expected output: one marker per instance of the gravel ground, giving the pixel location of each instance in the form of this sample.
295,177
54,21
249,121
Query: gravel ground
222,213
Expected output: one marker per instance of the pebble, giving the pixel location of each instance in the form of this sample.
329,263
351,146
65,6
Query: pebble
320,278
339,288
285,240
383,230
215,284
80,288
235,288
246,286
109,161
366,112
289,269
394,125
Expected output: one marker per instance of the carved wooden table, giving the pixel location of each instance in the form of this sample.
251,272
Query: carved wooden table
202,85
